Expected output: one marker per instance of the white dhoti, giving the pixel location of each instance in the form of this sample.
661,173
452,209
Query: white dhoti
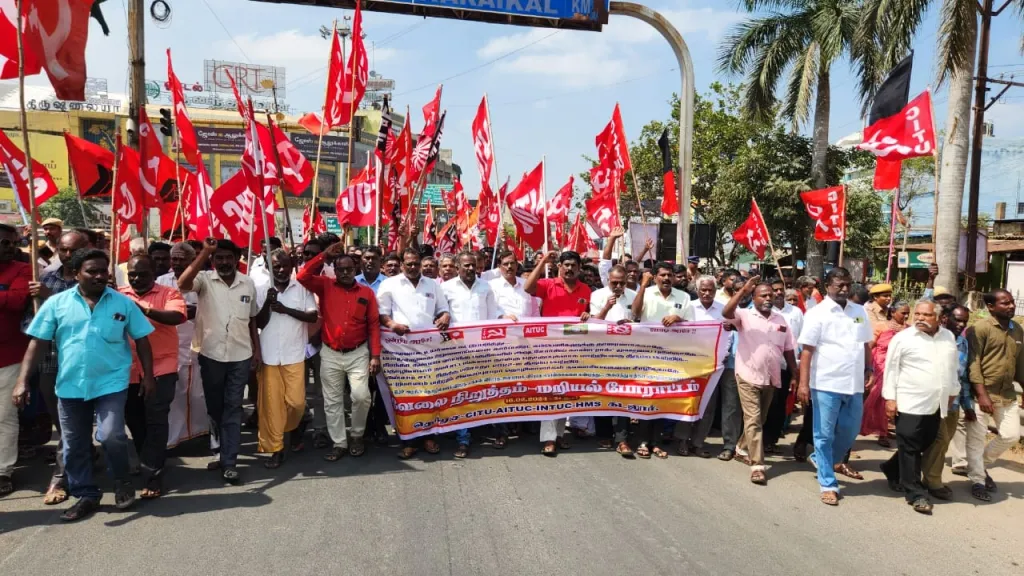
188,418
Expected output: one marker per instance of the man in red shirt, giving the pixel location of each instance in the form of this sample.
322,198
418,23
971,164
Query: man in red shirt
561,296
146,411
351,351
14,279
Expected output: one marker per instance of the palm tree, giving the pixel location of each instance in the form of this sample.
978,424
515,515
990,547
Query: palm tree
801,39
890,25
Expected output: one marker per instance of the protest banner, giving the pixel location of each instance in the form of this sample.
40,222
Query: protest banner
437,381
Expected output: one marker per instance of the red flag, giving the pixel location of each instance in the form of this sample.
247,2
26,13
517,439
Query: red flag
451,204
448,240
431,112
605,178
13,160
490,211
159,175
526,204
236,208
127,193
612,146
357,203
558,207
357,71
669,198
603,213
55,34
579,238
482,142
429,228
312,123
295,171
887,174
753,234
515,245
186,133
92,165
827,207
312,229
909,134
197,191
123,241
334,111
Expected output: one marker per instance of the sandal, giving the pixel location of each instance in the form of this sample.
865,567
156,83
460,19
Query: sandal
800,451
407,452
624,450
990,484
979,492
758,477
550,450
461,451
154,486
683,449
500,443
83,508
358,448
55,494
6,486
275,461
604,444
884,442
563,443
321,440
830,498
661,454
431,447
845,470
642,451
704,453
336,453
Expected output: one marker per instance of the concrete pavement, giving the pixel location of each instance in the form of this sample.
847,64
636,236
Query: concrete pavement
518,513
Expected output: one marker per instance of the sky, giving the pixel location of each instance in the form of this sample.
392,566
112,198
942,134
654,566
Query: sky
550,91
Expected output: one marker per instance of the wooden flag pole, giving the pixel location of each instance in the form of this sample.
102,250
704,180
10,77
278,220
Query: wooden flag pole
115,237
280,183
544,199
351,108
842,241
497,179
33,217
320,139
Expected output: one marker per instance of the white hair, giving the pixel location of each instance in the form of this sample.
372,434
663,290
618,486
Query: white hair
705,278
137,245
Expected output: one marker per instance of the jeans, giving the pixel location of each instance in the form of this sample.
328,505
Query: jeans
914,434
224,385
836,425
147,420
462,436
76,421
732,413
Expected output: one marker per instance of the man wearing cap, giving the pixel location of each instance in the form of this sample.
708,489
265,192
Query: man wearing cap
877,309
52,229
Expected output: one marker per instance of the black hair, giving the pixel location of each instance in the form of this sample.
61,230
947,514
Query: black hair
83,255
570,255
659,266
407,251
837,272
314,242
427,251
8,229
275,243
350,257
633,262
372,250
777,280
225,244
859,292
990,297
730,272
393,256
90,235
158,247
616,268
505,254
195,244
280,253
678,269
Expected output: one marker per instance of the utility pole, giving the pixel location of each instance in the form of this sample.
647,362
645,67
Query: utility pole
137,80
980,106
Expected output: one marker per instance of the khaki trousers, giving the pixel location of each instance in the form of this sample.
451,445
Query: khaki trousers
8,420
934,458
755,401
282,403
1006,416
337,369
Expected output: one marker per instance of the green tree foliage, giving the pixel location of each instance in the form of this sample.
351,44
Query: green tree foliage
66,206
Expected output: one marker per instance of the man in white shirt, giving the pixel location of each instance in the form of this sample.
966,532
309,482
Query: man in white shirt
409,301
470,300
286,311
833,366
508,289
187,418
691,435
921,377
614,302
773,426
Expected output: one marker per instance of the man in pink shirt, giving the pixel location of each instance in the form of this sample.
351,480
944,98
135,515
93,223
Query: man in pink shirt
763,342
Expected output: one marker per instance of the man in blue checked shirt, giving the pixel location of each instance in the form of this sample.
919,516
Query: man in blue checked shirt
955,319
90,326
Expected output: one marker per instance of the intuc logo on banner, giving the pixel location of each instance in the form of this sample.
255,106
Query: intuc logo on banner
619,329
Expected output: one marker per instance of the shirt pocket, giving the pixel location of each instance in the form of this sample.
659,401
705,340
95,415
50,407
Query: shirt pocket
112,332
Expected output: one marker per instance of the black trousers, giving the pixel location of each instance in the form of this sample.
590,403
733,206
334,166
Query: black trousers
776,419
146,419
914,434
615,428
47,388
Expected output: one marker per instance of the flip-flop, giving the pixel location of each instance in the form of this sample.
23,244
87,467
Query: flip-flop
830,498
336,453
845,470
625,451
431,447
550,449
643,451
55,494
407,453
661,454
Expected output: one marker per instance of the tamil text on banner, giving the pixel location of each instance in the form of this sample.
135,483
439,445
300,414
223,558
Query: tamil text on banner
540,369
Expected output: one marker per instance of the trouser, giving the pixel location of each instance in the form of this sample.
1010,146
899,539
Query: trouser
377,421
755,401
9,425
836,425
806,435
732,412
552,430
337,368
914,434
224,386
47,388
696,432
958,447
646,432
76,420
775,422
1006,416
314,393
934,458
146,418
614,428
282,402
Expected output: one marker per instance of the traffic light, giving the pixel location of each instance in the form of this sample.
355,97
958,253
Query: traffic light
166,128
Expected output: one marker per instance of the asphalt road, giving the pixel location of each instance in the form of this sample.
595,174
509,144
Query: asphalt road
518,513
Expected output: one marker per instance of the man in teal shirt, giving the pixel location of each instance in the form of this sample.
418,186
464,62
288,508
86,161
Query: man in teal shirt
90,326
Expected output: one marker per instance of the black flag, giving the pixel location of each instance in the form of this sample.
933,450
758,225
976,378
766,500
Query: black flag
385,130
894,93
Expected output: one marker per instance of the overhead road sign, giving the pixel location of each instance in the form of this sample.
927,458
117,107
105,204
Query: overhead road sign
569,14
